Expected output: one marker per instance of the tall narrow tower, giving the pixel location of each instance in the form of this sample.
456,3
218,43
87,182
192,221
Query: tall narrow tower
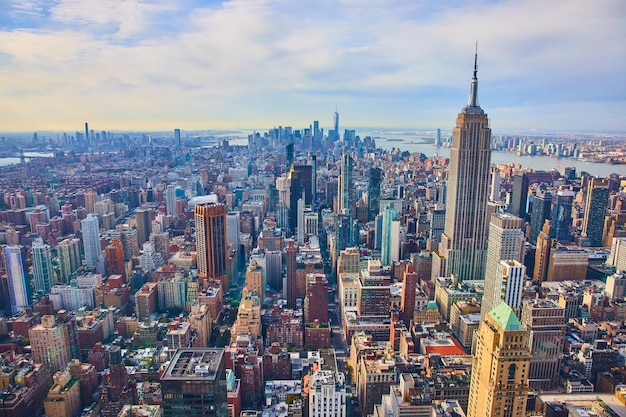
464,241
91,239
211,242
595,211
499,382
43,272
345,184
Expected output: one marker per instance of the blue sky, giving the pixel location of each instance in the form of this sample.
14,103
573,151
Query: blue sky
192,64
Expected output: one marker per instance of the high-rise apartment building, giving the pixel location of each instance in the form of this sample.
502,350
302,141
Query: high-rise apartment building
291,264
115,258
91,239
316,299
211,242
499,379
464,241
233,226
20,292
43,272
595,211
255,278
544,321
50,343
506,243
68,253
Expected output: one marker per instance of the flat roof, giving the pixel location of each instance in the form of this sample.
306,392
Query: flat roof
194,363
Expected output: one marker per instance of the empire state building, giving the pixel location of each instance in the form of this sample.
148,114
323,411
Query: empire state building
463,245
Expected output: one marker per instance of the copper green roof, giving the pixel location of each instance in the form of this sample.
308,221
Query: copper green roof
505,317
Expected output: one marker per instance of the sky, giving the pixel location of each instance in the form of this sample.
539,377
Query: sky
192,64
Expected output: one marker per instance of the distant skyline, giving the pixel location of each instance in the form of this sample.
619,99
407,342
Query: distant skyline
192,64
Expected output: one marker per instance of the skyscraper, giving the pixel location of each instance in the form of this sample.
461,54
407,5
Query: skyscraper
336,123
43,272
91,239
520,194
68,252
506,243
464,241
291,264
345,184
211,242
170,200
544,320
143,219
390,249
17,278
595,211
294,194
499,380
562,216
542,205
177,138
373,192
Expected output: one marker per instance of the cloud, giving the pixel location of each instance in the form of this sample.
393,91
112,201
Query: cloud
134,63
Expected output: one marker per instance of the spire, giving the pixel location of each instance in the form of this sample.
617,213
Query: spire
472,101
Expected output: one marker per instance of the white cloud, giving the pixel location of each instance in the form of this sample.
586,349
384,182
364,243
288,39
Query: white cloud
133,63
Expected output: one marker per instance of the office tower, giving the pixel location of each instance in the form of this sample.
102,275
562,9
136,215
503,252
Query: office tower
542,211
143,220
543,247
336,124
294,193
506,243
438,138
520,194
437,221
273,269
170,200
499,379
464,241
20,293
291,264
305,173
87,132
595,211
91,239
118,390
494,189
43,272
300,227
68,253
177,141
194,384
316,299
211,245
311,222
289,155
562,216
232,228
544,321
390,249
407,303
373,192
50,343
312,162
115,264
345,185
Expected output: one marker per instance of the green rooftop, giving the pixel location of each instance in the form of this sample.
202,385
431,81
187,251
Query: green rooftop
505,317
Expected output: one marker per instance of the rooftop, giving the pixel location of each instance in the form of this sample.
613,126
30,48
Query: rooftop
194,363
505,317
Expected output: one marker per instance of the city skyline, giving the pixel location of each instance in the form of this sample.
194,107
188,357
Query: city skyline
238,64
